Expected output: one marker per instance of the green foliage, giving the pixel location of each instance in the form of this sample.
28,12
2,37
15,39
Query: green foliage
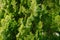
29,19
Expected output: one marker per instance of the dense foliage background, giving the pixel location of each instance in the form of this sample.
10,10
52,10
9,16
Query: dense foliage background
29,19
